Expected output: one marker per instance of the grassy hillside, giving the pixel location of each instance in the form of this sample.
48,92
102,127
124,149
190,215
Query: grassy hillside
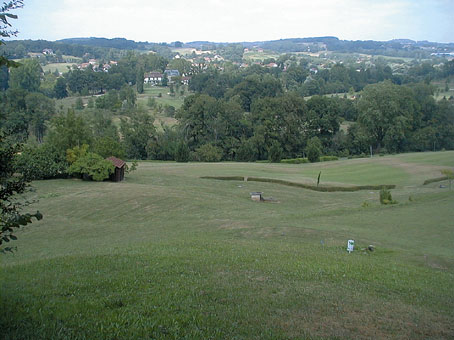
168,255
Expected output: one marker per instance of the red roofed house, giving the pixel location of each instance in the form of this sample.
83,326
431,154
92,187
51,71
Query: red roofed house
119,173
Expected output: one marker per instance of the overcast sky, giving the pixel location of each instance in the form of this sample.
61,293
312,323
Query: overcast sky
236,20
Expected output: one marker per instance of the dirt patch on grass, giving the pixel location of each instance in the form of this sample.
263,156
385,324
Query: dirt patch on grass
414,168
371,321
234,226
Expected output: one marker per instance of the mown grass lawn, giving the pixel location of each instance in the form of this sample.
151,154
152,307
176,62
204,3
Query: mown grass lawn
168,255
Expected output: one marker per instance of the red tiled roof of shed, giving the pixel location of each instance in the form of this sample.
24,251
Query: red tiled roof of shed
116,162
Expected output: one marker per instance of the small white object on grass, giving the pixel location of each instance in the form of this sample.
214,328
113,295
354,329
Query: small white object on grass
350,245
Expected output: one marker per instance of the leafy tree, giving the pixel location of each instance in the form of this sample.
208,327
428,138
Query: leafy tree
108,146
76,152
165,80
5,27
128,97
182,152
90,103
323,118
387,112
69,130
137,133
275,152
208,153
254,87
139,80
92,166
79,104
12,184
39,109
27,76
313,149
4,78
60,88
282,119
41,162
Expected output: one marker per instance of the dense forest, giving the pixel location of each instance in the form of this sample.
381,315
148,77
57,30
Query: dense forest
289,110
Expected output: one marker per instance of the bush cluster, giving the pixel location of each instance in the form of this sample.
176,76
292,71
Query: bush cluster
386,197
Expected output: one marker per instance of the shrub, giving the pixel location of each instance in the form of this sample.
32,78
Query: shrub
92,166
42,162
246,152
385,197
275,152
182,152
208,153
328,158
313,149
365,204
109,146
295,160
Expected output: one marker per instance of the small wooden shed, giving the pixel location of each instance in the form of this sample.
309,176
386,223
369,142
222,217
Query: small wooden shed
119,173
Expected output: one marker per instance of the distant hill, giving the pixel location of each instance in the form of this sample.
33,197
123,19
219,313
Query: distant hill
395,48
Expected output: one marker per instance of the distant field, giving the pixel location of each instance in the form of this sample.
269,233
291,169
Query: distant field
441,86
61,67
168,255
256,56
142,100
184,51
166,99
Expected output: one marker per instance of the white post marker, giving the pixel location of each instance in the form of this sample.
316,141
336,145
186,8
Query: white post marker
350,245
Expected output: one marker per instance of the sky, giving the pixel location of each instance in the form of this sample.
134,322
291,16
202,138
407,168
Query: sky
236,20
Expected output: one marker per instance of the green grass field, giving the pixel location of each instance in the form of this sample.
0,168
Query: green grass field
168,255
61,67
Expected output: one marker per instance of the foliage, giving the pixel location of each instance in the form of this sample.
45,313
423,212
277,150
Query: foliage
295,161
450,175
182,152
92,166
41,162
208,153
275,152
12,184
27,76
386,197
137,133
109,146
76,152
313,149
69,130
5,25
79,104
328,158
133,167
387,113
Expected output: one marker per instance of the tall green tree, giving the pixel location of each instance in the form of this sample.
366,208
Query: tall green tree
137,132
60,90
387,113
39,109
27,76
69,130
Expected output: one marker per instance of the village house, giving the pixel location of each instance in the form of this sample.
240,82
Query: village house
185,80
48,51
172,74
153,78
